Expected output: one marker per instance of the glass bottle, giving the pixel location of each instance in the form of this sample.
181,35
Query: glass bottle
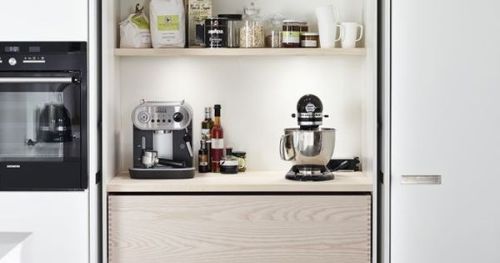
206,128
217,135
252,30
203,162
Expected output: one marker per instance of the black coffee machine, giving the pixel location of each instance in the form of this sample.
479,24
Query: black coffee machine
162,141
54,124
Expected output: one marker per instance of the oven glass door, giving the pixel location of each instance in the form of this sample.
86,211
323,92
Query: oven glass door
40,130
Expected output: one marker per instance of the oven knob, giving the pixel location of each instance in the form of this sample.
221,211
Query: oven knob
12,61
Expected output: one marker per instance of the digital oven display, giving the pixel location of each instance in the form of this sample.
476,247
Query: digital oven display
11,49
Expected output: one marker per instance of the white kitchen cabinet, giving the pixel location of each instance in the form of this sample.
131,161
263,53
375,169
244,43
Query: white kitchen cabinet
258,90
48,20
239,228
253,217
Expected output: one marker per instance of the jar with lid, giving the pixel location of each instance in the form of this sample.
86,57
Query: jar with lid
229,164
291,33
233,29
216,32
242,162
309,40
273,32
252,29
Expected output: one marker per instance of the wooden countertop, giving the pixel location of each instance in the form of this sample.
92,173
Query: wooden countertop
250,181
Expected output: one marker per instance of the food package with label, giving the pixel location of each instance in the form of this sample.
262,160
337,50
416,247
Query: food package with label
198,11
134,31
167,23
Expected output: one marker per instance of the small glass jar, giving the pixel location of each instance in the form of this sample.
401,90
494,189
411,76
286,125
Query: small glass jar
233,29
309,40
242,161
252,30
291,34
229,164
273,32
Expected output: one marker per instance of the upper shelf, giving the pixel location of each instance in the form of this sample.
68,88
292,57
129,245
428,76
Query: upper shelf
208,52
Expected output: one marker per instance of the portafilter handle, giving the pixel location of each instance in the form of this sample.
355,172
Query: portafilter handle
284,151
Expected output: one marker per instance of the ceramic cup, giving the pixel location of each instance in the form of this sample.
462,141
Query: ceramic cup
350,33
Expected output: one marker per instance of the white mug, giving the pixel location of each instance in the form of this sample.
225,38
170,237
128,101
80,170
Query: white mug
327,25
349,34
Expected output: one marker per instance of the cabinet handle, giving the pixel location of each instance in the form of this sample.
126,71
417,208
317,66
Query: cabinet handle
37,80
421,179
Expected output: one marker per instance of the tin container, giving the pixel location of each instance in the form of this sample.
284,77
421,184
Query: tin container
216,32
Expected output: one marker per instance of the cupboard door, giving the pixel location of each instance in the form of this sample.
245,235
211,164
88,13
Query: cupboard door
238,228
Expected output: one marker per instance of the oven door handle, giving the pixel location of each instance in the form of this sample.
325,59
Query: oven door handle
36,80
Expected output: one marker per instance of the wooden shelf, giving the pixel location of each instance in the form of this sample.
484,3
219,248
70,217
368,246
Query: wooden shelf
238,52
250,181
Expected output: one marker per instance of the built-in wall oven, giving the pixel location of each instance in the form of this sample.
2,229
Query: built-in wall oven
43,116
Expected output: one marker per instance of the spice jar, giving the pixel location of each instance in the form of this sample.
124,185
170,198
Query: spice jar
233,29
291,34
242,161
216,32
229,164
273,33
252,30
309,40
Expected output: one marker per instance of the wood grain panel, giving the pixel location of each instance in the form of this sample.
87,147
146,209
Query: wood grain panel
246,229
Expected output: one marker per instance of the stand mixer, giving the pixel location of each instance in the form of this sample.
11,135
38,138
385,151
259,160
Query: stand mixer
309,147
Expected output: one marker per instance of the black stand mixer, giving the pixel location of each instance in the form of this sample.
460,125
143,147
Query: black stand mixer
309,147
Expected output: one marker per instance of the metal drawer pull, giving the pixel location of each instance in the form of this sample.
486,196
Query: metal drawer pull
421,179
37,80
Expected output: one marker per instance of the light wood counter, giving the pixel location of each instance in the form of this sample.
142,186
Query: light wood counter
244,182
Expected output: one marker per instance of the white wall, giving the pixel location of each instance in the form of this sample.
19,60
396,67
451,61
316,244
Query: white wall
257,94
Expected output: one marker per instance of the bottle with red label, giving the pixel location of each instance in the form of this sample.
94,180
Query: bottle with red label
217,135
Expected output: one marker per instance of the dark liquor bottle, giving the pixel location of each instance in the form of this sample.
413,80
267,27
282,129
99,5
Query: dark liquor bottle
207,124
203,163
217,136
206,128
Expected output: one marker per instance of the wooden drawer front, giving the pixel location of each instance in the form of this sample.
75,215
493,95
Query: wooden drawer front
236,228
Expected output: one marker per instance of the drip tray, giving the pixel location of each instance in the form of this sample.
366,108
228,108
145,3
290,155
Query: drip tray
161,173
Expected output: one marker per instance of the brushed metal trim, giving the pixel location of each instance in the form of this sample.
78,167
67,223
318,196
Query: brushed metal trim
421,179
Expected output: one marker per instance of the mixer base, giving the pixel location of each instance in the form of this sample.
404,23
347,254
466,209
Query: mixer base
309,173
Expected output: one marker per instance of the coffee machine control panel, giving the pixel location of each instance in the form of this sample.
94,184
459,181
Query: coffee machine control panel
162,116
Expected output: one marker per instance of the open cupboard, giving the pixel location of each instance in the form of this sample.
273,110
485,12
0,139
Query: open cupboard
258,90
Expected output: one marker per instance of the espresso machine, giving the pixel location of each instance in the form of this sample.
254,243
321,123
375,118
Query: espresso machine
308,147
162,141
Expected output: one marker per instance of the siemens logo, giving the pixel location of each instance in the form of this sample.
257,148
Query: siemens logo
13,166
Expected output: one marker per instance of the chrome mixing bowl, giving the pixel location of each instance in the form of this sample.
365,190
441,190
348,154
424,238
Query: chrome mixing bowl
311,147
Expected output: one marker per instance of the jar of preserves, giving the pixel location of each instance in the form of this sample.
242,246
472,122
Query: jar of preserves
309,40
252,29
291,33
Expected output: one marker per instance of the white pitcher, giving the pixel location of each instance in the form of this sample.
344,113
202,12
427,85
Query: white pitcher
327,17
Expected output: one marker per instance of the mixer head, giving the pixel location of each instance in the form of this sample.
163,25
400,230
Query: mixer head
309,112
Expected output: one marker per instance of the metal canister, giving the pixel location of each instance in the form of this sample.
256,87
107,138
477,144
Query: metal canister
216,32
233,29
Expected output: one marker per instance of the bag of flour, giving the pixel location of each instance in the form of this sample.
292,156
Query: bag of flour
134,31
167,23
